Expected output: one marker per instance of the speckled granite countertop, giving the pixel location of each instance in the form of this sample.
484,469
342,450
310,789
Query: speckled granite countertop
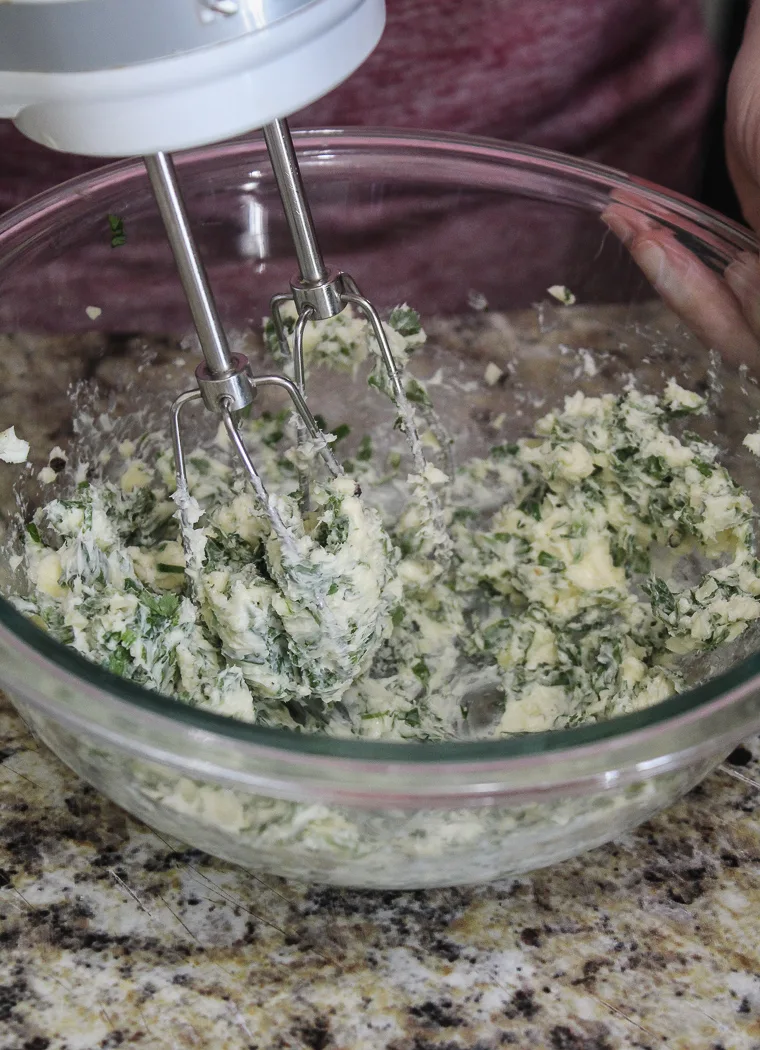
111,935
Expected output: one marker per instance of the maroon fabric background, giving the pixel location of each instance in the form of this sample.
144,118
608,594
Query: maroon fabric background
625,82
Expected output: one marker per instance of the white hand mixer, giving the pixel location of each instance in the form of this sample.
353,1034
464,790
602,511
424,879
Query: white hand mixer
146,77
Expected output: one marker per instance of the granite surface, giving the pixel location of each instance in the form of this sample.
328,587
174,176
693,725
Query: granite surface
112,935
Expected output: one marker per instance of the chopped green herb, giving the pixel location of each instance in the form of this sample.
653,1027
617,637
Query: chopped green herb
532,507
416,393
422,671
505,451
548,561
118,236
405,321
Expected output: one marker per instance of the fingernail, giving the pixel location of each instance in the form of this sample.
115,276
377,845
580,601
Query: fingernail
619,227
652,260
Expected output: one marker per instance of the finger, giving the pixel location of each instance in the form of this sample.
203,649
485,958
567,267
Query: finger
695,293
747,189
742,124
743,278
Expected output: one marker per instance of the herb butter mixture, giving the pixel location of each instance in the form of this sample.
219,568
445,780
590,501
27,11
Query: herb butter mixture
530,590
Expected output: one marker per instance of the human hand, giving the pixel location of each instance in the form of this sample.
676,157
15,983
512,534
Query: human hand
719,303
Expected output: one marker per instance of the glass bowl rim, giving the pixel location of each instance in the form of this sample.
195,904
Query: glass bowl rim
63,662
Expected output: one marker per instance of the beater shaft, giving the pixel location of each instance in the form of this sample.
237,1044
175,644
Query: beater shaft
294,201
192,273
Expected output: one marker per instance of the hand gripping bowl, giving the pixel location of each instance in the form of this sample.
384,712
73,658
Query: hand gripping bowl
444,224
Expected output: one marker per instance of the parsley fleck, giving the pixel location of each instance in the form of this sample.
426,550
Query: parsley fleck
422,671
415,393
118,236
405,321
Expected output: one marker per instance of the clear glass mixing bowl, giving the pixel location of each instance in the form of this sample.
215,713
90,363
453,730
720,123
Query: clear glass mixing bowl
445,224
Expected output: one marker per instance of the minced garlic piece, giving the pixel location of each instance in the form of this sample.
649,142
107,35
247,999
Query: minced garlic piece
752,442
13,449
562,294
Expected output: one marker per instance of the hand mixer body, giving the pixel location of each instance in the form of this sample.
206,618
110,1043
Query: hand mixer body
124,77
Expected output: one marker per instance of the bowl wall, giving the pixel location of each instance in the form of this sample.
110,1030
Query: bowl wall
372,847
447,226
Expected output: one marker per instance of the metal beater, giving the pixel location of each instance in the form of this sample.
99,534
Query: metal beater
226,383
